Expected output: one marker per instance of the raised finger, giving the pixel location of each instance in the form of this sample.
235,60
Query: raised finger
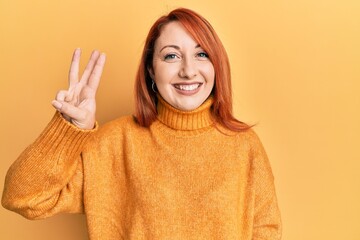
96,73
89,67
74,68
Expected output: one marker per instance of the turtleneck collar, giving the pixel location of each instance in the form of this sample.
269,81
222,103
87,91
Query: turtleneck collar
185,120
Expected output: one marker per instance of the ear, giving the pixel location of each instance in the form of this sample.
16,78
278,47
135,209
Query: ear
151,72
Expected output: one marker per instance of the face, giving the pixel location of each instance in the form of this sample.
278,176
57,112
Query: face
181,69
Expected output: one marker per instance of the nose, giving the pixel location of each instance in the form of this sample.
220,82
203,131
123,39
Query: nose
188,69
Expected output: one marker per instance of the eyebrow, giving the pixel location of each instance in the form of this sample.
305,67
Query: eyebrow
175,46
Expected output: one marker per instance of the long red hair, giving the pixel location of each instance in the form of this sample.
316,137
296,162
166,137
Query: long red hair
203,33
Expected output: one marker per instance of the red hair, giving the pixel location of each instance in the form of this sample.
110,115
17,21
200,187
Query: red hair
203,33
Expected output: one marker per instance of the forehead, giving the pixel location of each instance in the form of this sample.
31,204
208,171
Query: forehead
174,33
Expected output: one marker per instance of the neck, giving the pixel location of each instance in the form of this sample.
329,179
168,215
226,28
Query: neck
185,120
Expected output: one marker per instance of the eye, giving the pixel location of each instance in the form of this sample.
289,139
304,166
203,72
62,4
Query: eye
203,55
170,57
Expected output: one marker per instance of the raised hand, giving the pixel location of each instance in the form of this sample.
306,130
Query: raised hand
77,104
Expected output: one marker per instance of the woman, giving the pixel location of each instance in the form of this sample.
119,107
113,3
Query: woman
181,168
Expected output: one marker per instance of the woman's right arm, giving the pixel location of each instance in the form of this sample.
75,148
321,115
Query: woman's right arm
47,178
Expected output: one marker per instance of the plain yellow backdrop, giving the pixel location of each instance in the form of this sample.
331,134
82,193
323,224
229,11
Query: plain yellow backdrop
296,73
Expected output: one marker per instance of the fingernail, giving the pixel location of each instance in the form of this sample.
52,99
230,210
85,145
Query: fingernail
102,57
56,105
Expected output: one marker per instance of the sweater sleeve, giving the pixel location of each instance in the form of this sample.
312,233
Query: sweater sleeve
47,178
267,220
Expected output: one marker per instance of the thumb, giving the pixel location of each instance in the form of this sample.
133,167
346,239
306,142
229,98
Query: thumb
69,110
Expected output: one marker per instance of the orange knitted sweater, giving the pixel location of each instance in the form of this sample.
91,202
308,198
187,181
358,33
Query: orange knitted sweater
181,178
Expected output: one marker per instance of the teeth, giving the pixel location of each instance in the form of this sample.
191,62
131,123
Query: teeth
188,87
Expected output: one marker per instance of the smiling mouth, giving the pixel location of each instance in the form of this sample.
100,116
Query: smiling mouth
187,87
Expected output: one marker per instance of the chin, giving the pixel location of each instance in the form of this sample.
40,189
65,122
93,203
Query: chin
185,103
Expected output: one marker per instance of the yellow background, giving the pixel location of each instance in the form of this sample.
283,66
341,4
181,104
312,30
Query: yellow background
296,73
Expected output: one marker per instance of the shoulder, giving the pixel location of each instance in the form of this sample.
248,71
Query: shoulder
117,128
118,124
246,137
251,137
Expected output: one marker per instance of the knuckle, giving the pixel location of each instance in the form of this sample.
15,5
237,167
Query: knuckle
68,98
60,93
64,107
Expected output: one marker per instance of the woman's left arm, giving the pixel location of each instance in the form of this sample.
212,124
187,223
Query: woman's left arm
267,220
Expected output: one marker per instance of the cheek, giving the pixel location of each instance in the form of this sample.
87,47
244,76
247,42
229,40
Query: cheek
164,73
209,73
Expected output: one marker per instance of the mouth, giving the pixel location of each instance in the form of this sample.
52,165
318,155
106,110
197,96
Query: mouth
187,87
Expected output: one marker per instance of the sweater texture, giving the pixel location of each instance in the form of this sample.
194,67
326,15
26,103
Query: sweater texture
184,177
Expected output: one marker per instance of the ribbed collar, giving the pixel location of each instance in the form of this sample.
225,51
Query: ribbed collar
185,120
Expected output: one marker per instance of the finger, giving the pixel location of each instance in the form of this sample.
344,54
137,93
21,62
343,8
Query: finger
57,105
94,79
68,110
89,67
74,68
70,96
66,96
62,96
